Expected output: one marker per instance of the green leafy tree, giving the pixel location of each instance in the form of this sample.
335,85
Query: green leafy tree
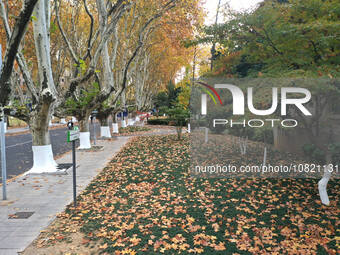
169,97
179,115
79,104
279,38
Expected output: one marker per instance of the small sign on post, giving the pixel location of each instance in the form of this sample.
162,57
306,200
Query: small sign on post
72,136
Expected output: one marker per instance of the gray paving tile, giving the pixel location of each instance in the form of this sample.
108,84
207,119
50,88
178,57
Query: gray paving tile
8,251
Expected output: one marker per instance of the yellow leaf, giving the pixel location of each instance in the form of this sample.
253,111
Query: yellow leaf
104,246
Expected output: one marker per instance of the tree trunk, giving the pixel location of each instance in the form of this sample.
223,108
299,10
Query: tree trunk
115,128
179,132
324,181
130,120
84,127
105,127
43,161
114,117
104,121
123,123
13,43
39,128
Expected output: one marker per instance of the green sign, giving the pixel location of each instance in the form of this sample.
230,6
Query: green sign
73,135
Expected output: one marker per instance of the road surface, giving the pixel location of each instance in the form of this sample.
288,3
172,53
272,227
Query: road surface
19,155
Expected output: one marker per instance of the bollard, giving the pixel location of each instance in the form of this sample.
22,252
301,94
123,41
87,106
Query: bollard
206,135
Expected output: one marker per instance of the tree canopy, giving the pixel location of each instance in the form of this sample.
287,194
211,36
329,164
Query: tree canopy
277,39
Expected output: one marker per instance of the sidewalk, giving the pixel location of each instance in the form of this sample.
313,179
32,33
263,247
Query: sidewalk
47,195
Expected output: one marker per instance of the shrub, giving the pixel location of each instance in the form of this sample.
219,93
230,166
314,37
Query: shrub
263,135
217,112
198,123
318,156
254,134
163,110
335,150
314,153
179,116
164,122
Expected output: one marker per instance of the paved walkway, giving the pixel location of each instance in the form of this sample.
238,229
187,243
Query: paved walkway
47,195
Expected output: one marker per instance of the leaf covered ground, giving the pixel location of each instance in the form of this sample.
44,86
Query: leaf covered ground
145,202
224,150
133,130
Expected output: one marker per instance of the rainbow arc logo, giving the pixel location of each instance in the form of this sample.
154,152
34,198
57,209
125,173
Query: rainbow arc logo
206,87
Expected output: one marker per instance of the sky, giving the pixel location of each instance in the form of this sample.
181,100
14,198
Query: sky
211,6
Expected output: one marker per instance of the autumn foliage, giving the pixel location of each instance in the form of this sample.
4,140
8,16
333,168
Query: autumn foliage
145,202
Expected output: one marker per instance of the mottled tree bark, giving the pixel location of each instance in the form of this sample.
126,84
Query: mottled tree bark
42,110
45,99
104,122
38,124
83,120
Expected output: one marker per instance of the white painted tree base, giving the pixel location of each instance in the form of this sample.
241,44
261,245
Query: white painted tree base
43,161
323,186
130,122
84,139
123,124
137,119
189,128
5,127
105,132
115,128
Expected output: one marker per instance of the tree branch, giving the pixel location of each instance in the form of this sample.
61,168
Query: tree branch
13,46
88,54
69,47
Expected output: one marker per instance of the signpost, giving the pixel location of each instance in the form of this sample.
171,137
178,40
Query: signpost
3,146
72,135
94,114
3,157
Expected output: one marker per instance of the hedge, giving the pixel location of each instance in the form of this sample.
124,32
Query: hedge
162,122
